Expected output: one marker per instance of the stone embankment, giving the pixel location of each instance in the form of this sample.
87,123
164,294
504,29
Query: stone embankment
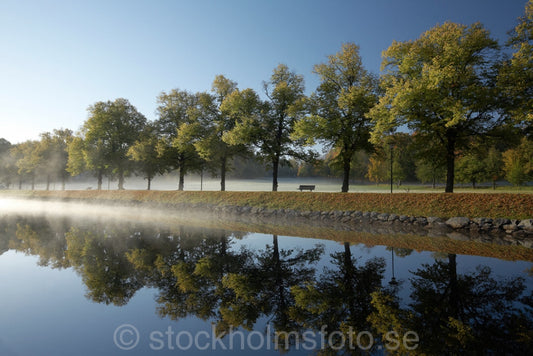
518,231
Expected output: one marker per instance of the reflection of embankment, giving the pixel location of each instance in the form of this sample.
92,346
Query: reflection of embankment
373,235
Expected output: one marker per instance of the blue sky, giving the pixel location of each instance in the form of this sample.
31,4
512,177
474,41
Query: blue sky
59,57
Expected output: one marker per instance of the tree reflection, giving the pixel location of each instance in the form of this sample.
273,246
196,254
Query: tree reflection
339,300
263,287
200,272
452,313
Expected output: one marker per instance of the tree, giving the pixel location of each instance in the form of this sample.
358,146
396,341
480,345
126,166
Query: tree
145,153
516,74
494,165
441,86
84,155
377,169
52,155
106,136
213,124
175,109
339,107
518,163
26,160
8,168
471,169
269,125
430,171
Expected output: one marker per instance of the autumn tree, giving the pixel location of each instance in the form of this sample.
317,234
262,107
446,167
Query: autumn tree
145,152
518,163
105,137
516,74
26,160
268,126
176,115
441,86
339,107
8,168
52,155
212,121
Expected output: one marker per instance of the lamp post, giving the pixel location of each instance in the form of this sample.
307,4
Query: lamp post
391,145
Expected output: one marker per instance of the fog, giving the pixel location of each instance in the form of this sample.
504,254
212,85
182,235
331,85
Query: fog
194,183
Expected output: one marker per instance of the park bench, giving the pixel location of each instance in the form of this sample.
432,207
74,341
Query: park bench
303,187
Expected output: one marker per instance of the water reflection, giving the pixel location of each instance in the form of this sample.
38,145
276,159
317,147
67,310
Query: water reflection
209,274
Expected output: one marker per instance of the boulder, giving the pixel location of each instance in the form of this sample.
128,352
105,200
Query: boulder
526,224
458,222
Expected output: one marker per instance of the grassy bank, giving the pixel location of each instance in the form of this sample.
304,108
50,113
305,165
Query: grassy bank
498,205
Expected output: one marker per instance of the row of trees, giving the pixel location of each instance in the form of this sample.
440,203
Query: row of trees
453,89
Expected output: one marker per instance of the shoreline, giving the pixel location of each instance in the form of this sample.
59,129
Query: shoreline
370,228
342,210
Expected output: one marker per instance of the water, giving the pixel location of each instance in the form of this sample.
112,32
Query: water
90,284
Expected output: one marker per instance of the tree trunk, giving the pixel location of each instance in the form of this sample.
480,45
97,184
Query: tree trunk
32,183
181,167
275,170
63,182
149,183
223,174
278,271
349,278
48,182
454,288
100,178
120,179
346,165
20,184
473,184
434,182
493,185
451,137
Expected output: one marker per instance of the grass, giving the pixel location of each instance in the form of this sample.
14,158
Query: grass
492,205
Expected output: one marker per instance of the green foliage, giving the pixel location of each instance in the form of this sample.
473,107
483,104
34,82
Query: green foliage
214,121
176,126
8,167
146,153
516,74
26,160
268,126
339,107
441,86
105,138
518,163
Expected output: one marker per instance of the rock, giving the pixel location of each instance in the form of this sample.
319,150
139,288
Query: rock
393,217
499,223
421,221
526,224
509,228
482,221
526,243
383,217
403,218
338,214
357,214
432,220
458,222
